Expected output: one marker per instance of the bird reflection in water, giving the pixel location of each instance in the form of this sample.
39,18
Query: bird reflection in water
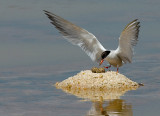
117,107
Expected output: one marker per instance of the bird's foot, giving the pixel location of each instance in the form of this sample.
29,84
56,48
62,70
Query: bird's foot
107,67
117,70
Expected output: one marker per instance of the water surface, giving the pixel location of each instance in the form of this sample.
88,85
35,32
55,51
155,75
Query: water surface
34,56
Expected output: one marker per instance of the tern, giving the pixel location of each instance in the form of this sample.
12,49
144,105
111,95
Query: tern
92,47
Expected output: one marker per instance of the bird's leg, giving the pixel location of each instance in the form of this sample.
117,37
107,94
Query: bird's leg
108,67
117,69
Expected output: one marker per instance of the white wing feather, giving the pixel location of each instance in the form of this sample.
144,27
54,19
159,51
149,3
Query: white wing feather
127,40
78,36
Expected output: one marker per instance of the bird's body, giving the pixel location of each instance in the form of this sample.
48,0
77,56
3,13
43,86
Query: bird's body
92,47
113,59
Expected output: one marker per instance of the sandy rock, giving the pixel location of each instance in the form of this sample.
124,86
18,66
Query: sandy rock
95,86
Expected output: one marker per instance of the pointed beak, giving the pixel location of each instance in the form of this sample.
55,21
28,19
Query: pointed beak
101,62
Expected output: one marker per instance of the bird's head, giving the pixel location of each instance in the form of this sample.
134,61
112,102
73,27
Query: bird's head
103,56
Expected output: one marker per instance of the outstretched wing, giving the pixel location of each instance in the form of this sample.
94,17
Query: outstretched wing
127,40
78,36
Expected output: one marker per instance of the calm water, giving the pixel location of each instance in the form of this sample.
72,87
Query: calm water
34,57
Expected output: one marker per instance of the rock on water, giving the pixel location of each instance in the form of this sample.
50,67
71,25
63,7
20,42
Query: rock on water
108,85
88,80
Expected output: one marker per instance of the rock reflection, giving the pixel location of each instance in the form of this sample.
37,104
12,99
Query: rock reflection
117,107
98,94
105,102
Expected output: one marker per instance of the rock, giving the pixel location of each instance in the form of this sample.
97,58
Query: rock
97,85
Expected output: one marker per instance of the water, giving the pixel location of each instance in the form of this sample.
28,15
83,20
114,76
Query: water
34,57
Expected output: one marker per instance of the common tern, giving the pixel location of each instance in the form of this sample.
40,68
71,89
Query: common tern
92,47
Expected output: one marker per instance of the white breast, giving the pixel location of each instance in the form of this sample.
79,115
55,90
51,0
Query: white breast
113,59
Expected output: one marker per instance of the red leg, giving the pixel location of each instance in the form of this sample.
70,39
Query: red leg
117,69
108,67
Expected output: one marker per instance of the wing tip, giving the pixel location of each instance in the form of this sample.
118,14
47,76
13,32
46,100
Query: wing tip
133,22
49,14
136,21
45,11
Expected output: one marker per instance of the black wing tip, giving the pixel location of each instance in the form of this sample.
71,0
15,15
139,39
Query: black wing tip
48,13
136,20
45,11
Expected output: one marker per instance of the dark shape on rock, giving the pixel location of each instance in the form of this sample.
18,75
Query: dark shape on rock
98,70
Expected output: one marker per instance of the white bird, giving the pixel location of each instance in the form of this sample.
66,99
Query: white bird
92,47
